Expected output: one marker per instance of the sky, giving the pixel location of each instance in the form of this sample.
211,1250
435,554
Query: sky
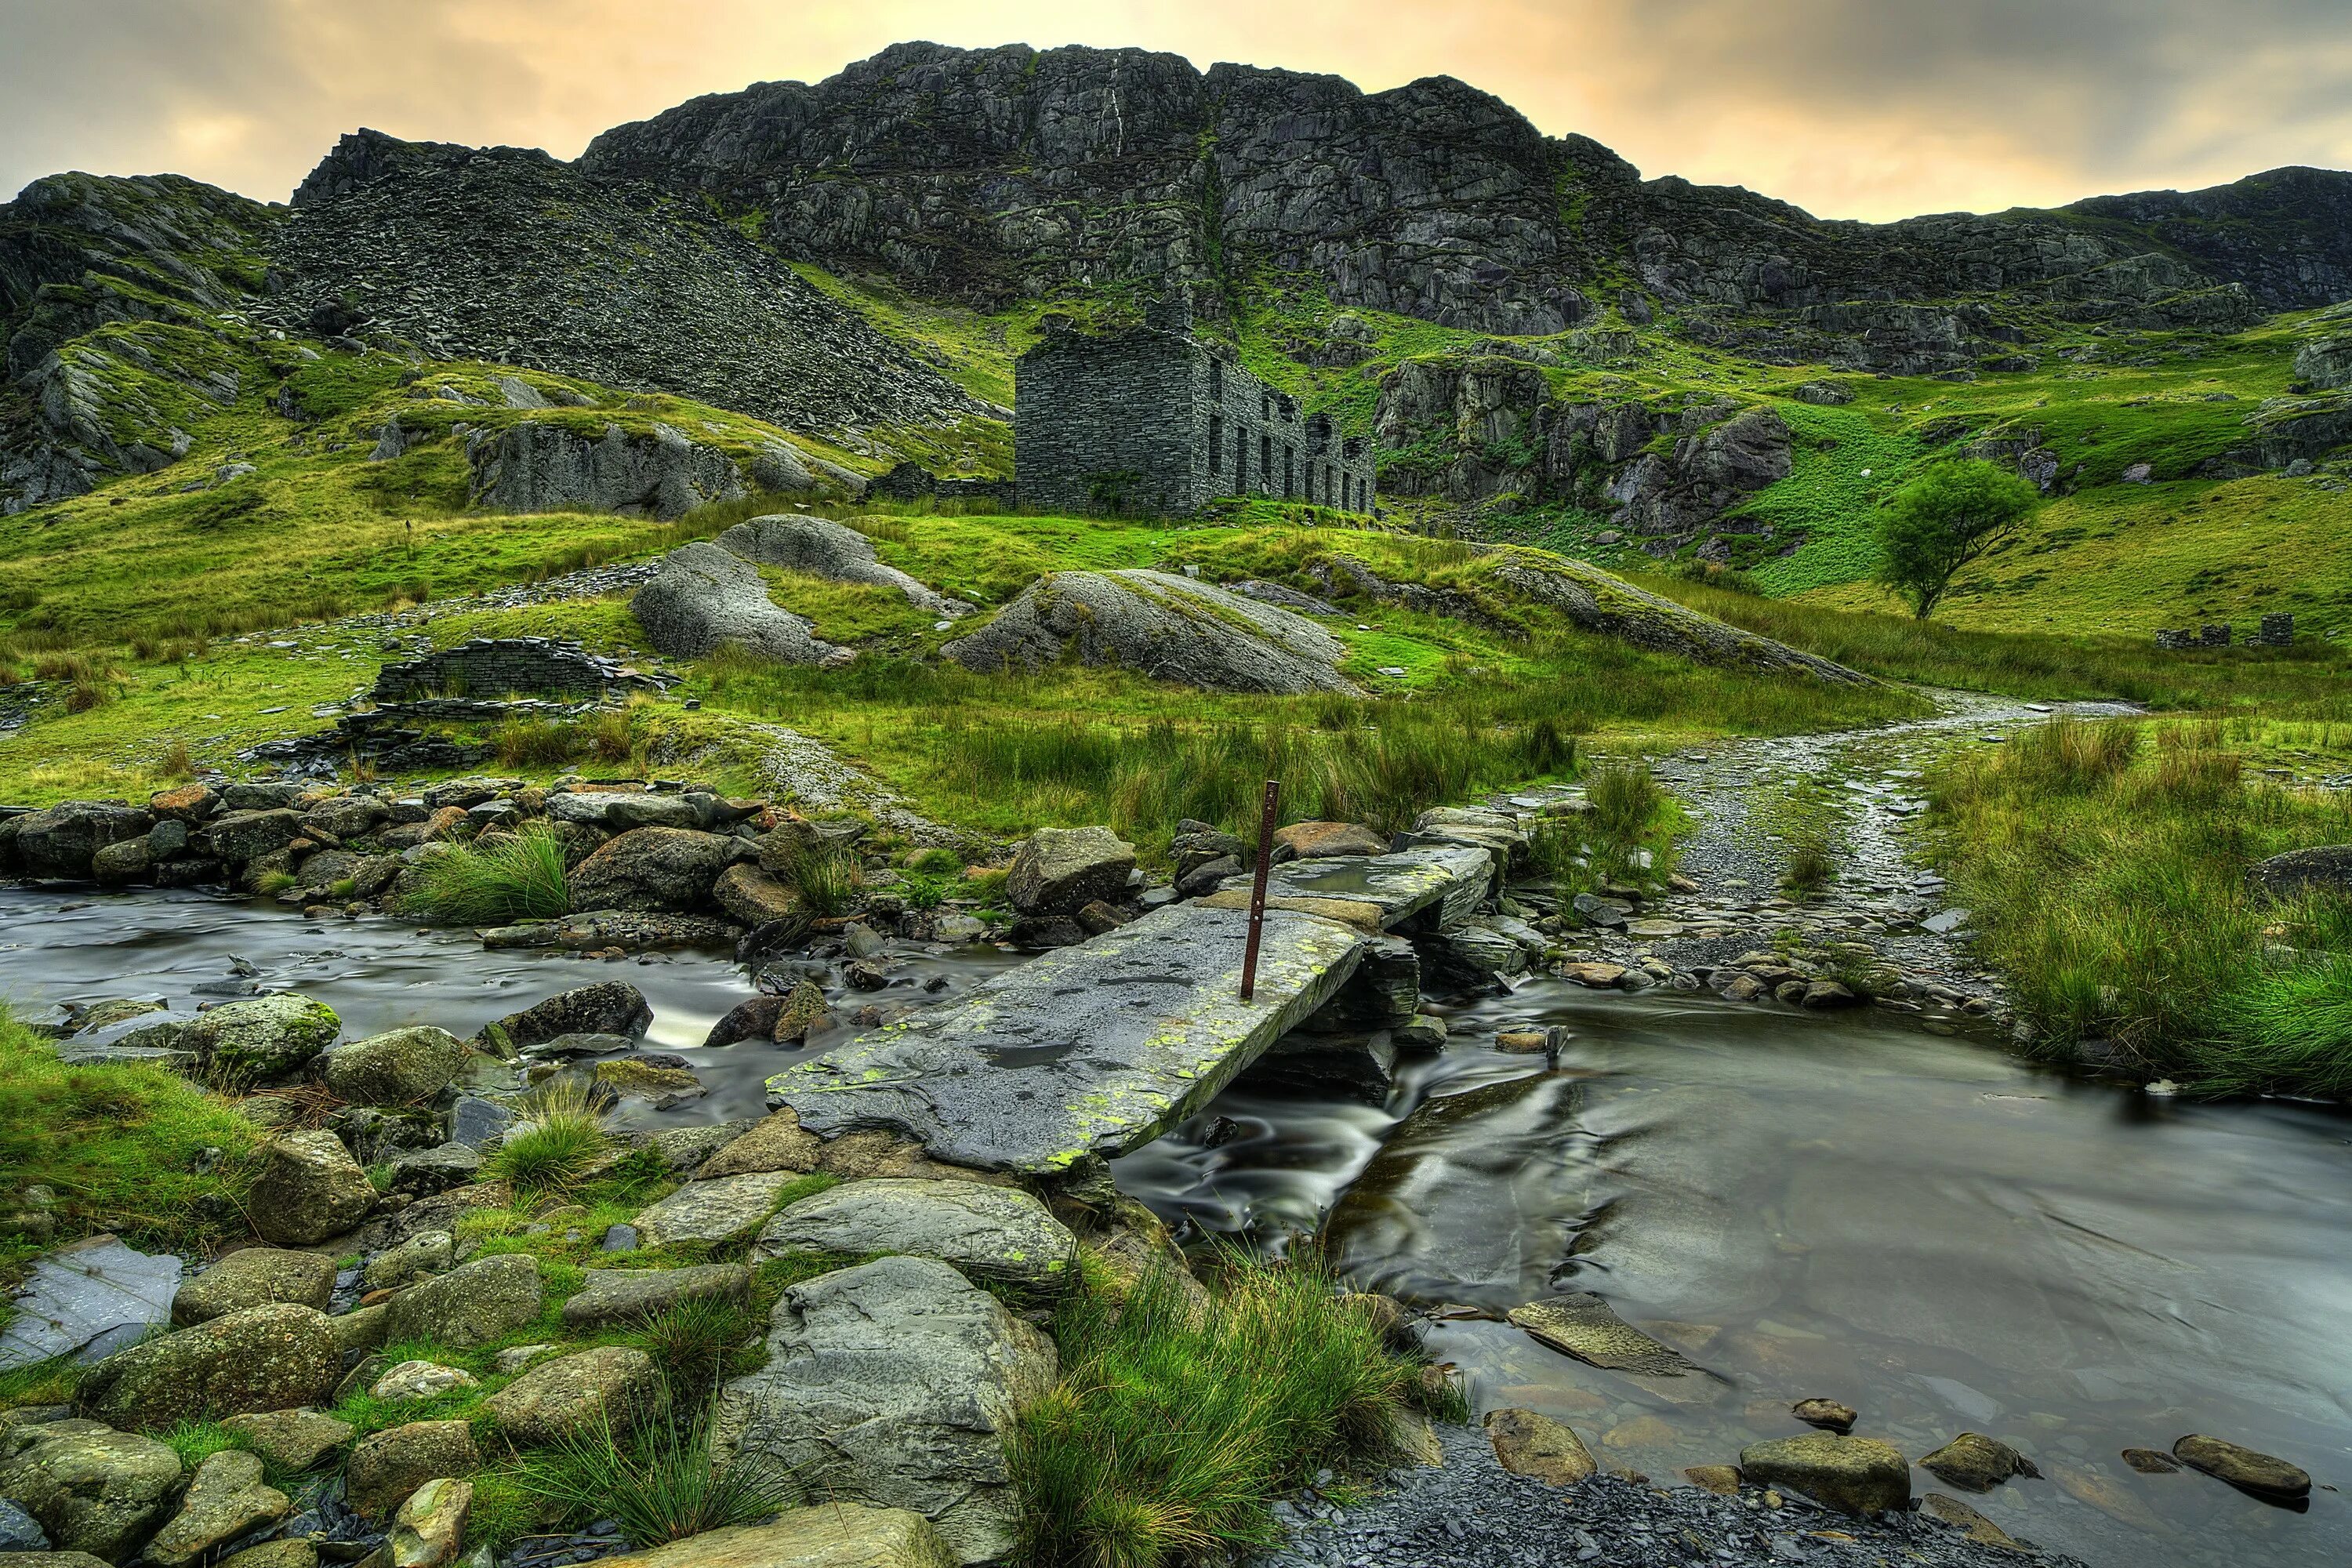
1863,108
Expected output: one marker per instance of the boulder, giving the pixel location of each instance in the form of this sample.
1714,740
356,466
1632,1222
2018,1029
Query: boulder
617,811
822,547
116,864
1827,1414
88,1300
422,1173
606,1007
729,1209
309,1189
431,1525
92,1490
898,1381
261,1039
1852,1475
831,1535
341,816
986,1232
540,466
243,836
1527,1444
1061,869
62,841
226,1499
1976,1463
1167,627
776,1143
386,1466
657,868
753,897
1329,840
2325,362
2241,1467
21,1534
706,599
611,1384
403,1066
273,1357
427,1253
189,803
2325,868
618,1296
292,1440
419,1380
485,1300
252,1277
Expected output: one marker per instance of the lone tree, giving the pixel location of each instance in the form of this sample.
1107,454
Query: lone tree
1945,519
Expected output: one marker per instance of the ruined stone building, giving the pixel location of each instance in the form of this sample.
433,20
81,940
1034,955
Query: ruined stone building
1154,420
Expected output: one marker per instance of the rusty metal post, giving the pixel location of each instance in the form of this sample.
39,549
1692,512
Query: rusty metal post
1258,886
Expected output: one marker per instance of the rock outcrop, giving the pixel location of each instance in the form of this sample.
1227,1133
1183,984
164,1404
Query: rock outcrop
1164,626
707,598
539,465
826,549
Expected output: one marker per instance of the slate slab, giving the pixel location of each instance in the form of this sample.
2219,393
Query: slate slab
89,1300
1453,878
1090,1050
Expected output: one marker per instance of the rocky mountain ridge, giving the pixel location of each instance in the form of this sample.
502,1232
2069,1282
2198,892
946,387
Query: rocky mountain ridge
990,175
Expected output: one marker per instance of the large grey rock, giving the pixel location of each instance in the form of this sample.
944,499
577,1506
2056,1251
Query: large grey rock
484,1300
92,1490
707,598
401,1067
1165,625
987,1232
827,1535
88,1300
385,1467
540,466
824,548
1090,1050
422,1255
729,1209
2325,362
615,1296
657,868
293,1441
227,1498
617,811
309,1189
261,1039
254,1276
2324,868
602,1007
274,1357
1592,600
61,841
20,1533
613,1385
1062,869
895,1383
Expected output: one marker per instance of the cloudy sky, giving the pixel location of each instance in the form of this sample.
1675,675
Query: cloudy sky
1870,109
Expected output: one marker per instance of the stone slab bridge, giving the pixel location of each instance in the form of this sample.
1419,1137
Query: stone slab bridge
1092,1051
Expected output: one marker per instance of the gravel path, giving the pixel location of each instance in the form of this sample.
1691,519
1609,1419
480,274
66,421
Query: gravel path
1472,1513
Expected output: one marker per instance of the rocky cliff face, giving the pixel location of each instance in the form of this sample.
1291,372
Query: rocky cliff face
504,254
996,173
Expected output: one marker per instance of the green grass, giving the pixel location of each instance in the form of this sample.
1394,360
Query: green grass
1176,1428
657,1482
120,1147
2105,864
560,1139
499,878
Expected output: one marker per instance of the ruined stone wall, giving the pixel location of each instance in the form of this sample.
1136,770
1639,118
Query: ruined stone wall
491,666
1155,419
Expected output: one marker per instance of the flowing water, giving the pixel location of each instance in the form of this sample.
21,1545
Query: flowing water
1939,1235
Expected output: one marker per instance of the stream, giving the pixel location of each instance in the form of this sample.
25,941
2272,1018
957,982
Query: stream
1924,1227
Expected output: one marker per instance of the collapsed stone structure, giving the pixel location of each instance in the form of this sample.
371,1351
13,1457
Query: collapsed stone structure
2276,630
1154,420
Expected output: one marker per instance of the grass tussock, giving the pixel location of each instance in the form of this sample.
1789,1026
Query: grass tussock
659,1483
1626,838
1176,1427
2107,865
824,878
132,1149
508,877
559,1143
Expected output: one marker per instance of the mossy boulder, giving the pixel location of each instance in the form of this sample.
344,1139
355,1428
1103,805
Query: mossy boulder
402,1066
274,1357
485,1300
61,841
261,1039
1062,869
253,1277
309,1189
603,1008
986,1232
293,1441
657,870
386,1466
1852,1475
226,1499
611,1386
92,1490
